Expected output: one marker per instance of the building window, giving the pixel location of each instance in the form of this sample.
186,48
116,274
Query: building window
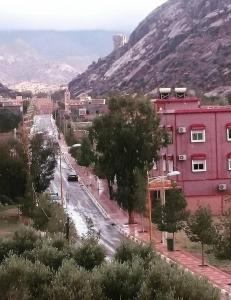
197,136
229,164
228,134
198,165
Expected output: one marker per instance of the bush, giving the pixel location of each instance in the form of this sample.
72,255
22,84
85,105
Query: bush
90,254
222,247
162,277
72,283
22,280
48,255
128,250
24,239
122,280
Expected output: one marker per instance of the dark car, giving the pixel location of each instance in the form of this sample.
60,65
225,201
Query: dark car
72,177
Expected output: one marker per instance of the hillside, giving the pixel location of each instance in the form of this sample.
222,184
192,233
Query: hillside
181,43
52,57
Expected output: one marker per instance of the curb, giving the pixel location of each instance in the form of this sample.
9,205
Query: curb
101,209
138,241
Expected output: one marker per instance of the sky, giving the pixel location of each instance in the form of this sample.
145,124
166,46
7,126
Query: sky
74,14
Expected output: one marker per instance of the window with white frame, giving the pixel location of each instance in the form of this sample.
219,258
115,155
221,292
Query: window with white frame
198,165
229,164
228,133
197,135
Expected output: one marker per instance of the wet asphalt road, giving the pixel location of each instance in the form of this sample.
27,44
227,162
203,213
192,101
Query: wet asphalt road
78,204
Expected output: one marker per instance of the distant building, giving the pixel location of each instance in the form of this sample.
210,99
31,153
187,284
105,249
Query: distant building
119,40
200,148
14,105
82,111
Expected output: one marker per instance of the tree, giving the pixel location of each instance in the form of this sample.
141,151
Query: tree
90,254
43,162
223,241
13,171
125,141
85,156
200,228
172,215
8,120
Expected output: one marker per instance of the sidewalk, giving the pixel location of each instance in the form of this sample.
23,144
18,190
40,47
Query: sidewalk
99,190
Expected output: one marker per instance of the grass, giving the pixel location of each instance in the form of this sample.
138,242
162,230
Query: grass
9,220
182,242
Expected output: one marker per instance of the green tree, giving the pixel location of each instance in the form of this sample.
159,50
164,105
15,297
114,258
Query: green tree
122,280
200,228
43,162
223,241
172,215
127,139
13,171
8,120
85,156
20,279
51,216
90,254
73,283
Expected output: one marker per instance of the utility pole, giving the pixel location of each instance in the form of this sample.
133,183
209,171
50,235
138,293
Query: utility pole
149,210
61,178
67,229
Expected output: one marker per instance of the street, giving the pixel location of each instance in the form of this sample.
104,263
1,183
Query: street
78,204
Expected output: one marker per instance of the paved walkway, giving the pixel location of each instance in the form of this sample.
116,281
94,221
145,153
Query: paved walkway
99,190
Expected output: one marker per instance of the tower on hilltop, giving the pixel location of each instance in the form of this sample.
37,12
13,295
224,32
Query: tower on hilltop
119,40
67,98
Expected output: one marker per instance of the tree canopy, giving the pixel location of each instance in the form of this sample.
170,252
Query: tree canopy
200,228
43,162
8,120
125,142
12,170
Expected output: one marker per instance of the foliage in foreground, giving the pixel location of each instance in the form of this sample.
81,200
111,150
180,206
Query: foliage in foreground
50,269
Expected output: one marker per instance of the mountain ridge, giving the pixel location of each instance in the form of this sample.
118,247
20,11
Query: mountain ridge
181,43
49,56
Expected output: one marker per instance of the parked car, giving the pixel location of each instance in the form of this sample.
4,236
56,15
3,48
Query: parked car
72,177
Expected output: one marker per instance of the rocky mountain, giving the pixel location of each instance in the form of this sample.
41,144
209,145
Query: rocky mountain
181,43
5,92
52,57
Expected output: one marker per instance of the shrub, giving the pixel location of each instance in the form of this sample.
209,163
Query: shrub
72,283
122,280
162,277
48,255
20,279
128,250
90,254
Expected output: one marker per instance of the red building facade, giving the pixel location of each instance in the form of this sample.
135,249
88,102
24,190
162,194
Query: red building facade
200,149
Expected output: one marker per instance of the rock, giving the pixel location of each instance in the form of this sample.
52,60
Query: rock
181,43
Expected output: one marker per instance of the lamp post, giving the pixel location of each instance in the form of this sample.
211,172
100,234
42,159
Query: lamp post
60,171
162,194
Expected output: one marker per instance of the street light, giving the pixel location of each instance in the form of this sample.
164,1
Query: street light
60,171
162,194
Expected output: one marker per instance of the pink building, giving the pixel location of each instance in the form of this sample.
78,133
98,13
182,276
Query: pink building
200,148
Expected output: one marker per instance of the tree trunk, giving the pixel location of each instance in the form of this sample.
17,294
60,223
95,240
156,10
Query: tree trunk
110,188
202,255
131,219
142,222
173,238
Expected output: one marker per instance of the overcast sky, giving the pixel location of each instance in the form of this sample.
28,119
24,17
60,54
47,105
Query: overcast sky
74,14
